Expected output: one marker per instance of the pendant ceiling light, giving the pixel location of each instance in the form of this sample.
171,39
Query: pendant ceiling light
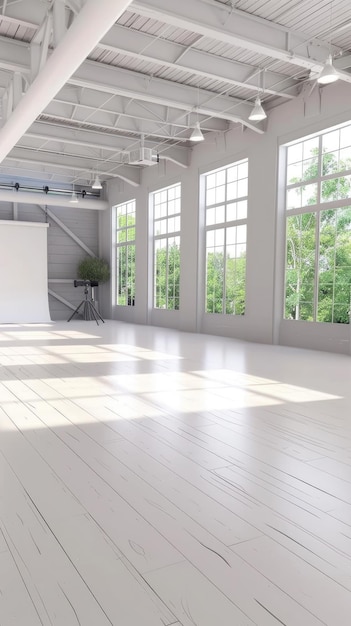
328,74
97,183
197,135
258,113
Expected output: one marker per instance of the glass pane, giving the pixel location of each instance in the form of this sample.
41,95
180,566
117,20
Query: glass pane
210,181
231,212
171,207
330,163
220,178
306,311
241,234
294,173
214,281
294,153
210,196
219,237
242,210
330,141
232,174
220,194
341,314
121,236
242,188
231,236
300,265
309,194
310,168
157,211
210,239
210,216
220,214
336,189
310,147
232,192
345,159
345,136
294,198
130,234
243,170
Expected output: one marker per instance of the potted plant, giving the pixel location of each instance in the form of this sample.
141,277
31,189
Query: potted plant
95,270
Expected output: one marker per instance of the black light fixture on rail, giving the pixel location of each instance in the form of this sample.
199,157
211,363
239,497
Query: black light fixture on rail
45,189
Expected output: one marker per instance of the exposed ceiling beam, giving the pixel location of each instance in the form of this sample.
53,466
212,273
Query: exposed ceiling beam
88,28
120,133
169,54
151,113
85,141
237,28
29,197
109,79
73,165
133,85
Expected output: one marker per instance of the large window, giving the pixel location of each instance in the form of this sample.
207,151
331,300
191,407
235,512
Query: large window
225,225
125,253
318,228
166,220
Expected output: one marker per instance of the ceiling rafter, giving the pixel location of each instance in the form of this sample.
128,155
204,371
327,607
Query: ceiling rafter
241,29
175,56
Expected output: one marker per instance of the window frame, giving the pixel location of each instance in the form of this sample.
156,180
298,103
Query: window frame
317,208
171,237
124,245
225,225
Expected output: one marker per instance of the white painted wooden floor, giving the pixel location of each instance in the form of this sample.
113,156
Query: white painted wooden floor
150,477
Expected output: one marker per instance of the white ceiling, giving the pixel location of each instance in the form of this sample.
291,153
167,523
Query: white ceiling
154,69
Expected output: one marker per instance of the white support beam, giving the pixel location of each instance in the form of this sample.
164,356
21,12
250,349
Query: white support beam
59,21
29,197
109,79
88,28
17,83
238,28
91,139
133,85
130,175
80,140
174,56
89,109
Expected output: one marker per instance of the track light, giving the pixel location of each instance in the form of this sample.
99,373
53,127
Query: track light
328,74
196,135
97,183
258,113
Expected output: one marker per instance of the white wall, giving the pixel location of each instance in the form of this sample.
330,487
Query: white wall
265,255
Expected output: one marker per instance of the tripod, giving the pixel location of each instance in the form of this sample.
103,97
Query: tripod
89,310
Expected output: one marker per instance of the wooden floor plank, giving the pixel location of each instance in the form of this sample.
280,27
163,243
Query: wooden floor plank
156,478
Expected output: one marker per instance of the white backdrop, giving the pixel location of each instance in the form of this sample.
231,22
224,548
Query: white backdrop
24,273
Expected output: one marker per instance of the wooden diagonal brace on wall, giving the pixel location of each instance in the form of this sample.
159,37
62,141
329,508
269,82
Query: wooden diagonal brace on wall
67,230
